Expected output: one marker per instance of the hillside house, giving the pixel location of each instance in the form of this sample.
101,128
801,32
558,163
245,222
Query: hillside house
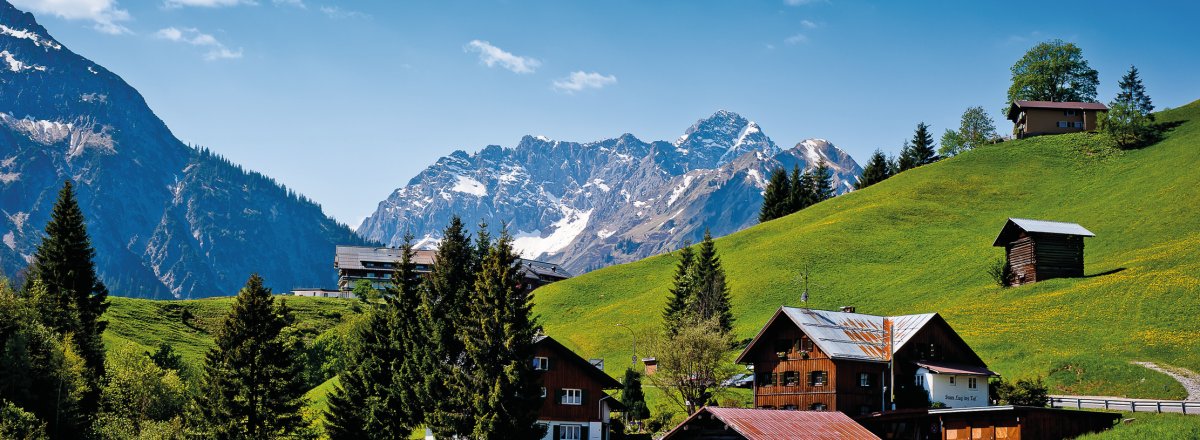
1032,118
1037,250
819,360
764,424
576,406
375,264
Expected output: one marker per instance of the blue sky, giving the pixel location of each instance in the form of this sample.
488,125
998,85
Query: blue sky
346,101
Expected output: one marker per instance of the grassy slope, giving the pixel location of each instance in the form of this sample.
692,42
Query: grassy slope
1151,425
921,241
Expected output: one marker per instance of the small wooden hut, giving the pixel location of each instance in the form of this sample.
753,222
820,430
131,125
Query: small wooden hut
1037,250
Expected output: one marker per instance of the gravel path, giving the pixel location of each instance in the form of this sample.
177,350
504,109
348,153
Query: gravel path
1189,379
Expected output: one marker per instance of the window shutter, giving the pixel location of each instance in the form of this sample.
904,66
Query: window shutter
583,432
583,396
557,432
558,399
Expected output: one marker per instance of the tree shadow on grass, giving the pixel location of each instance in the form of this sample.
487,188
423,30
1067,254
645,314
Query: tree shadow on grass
1107,272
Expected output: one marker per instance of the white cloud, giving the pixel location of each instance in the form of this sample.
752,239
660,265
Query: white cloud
206,3
104,14
492,55
193,36
808,24
580,80
796,39
339,13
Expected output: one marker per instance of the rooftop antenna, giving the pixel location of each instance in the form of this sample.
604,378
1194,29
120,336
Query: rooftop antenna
803,279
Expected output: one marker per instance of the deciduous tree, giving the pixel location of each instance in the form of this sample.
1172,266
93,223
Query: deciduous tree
974,129
1053,71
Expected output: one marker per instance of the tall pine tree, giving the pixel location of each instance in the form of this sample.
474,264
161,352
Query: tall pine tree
710,298
822,179
776,197
1133,93
920,150
502,388
801,190
878,169
375,398
253,387
681,291
444,304
74,298
633,398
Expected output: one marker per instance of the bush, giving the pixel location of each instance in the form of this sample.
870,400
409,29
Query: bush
18,424
999,272
1128,127
1023,392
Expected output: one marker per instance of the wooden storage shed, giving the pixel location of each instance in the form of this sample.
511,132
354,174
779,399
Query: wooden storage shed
1037,250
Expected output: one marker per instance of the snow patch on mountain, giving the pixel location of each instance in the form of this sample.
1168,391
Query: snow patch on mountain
15,65
37,40
470,186
565,230
678,191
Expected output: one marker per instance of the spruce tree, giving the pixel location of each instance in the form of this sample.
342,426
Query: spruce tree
443,307
681,291
877,170
776,197
800,190
503,389
253,387
1133,93
822,179
920,151
357,407
711,299
74,298
633,398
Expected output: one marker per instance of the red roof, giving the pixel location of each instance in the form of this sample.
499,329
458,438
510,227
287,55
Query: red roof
1012,110
774,424
953,368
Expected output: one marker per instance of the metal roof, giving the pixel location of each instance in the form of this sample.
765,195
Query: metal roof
1013,109
955,368
353,257
855,336
773,424
1041,227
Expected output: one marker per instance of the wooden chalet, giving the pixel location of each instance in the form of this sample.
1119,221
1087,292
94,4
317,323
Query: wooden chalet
1037,250
992,422
713,423
575,406
1032,118
819,360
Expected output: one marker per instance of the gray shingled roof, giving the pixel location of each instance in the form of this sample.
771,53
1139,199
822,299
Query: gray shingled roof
1041,227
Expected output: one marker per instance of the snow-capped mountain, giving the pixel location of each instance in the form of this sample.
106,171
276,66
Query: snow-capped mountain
167,220
588,205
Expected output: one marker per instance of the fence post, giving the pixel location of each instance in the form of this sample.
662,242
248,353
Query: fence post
1159,406
1105,403
1079,403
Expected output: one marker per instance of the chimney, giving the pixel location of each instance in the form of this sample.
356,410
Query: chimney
847,309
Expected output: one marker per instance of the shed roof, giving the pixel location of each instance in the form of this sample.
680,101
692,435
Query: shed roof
854,336
1015,108
1009,232
773,424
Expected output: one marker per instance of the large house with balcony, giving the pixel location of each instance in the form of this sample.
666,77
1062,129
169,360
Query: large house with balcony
576,407
375,264
818,360
1032,118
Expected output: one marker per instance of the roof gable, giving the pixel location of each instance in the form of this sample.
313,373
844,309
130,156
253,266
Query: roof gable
853,336
1013,227
566,355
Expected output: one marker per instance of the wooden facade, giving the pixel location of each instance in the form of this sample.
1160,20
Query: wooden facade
997,422
562,373
1034,253
1033,118
793,372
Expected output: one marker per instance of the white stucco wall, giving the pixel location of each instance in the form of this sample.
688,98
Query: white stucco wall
595,429
956,395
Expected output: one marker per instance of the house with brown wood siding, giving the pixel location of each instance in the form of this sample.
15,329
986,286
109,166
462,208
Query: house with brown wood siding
576,406
1032,118
818,360
1038,250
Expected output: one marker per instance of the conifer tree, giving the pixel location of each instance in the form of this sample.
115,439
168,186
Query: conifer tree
776,197
920,151
877,170
503,389
1133,93
253,387
443,307
358,406
681,291
710,300
633,398
74,298
801,190
822,179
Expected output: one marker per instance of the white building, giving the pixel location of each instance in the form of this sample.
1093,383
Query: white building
954,385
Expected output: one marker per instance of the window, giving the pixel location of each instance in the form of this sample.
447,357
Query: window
1078,124
1063,124
1069,112
570,432
766,379
864,380
806,344
782,346
817,407
541,363
790,407
791,378
952,380
572,396
543,392
921,380
971,382
817,378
